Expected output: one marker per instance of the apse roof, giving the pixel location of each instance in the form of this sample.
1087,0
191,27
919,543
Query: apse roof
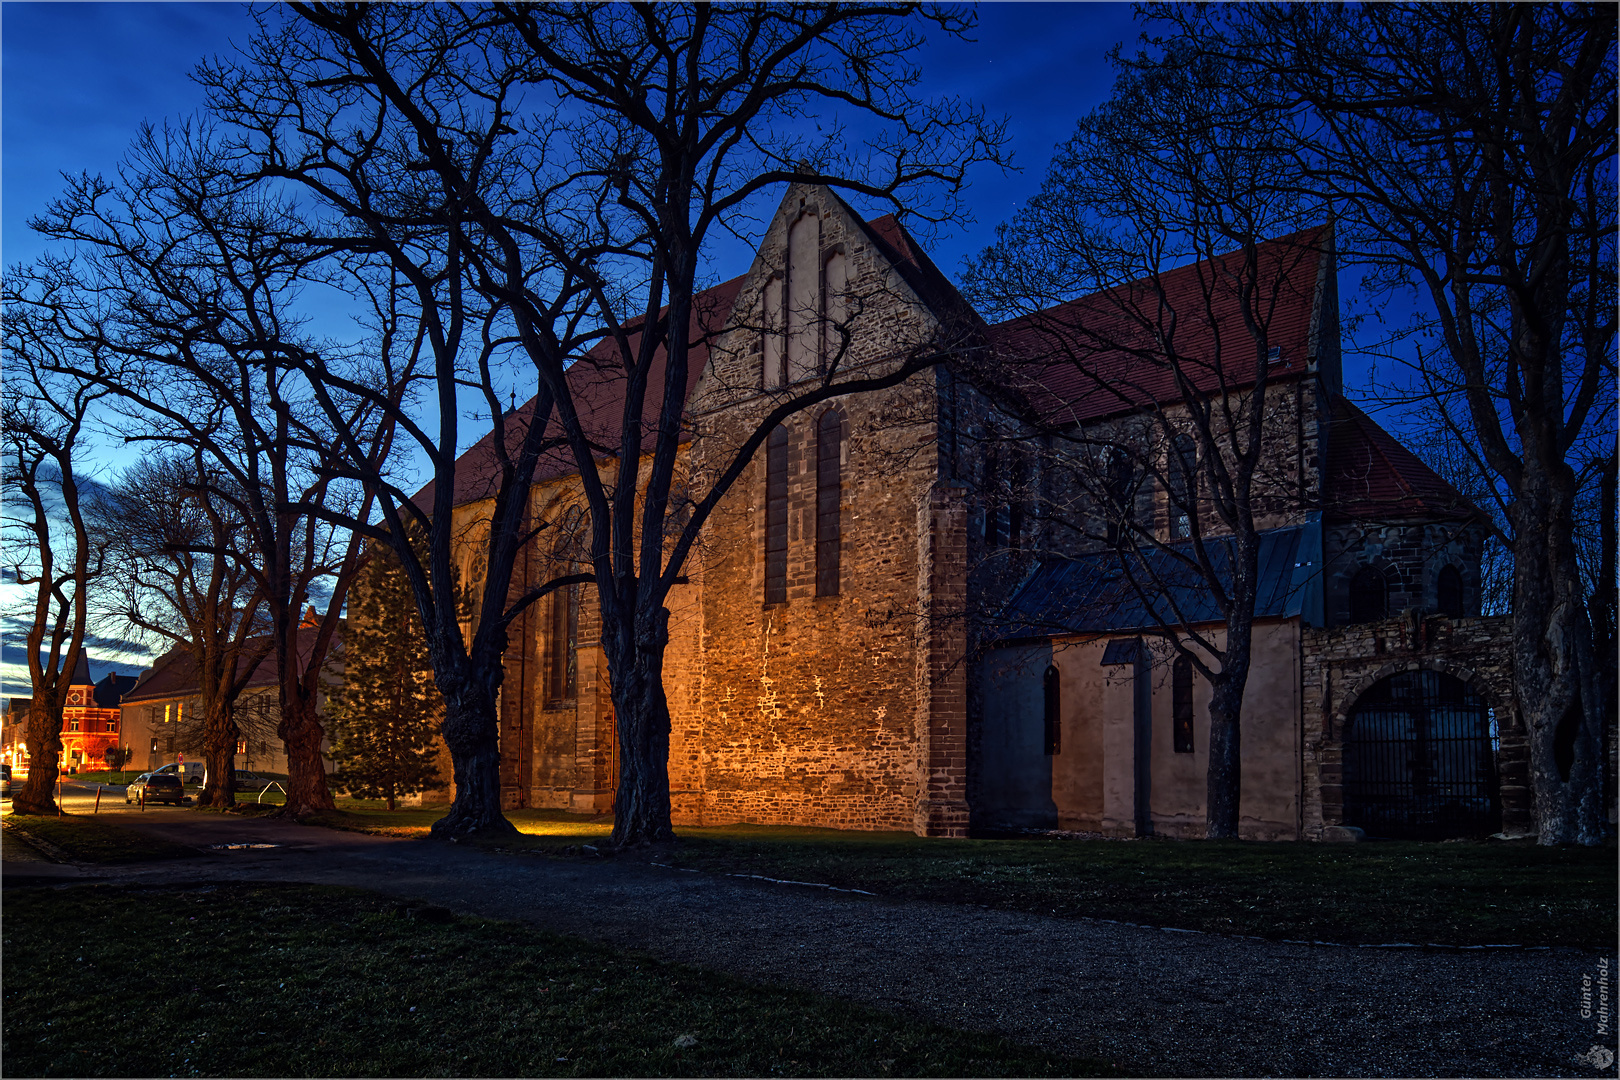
1372,477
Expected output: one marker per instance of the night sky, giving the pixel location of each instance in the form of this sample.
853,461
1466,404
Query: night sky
80,79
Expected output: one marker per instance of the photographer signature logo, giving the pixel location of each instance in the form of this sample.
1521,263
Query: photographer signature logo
1599,1057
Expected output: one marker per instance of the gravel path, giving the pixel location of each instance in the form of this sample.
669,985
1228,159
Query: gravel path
1158,1002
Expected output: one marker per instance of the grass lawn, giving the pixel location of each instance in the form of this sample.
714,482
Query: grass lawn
91,839
286,980
105,777
1464,893
1460,893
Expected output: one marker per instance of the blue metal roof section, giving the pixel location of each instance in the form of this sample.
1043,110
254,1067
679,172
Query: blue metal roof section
1094,595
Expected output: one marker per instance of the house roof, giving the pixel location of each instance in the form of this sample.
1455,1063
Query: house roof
1094,595
599,384
1372,477
1097,356
174,674
110,691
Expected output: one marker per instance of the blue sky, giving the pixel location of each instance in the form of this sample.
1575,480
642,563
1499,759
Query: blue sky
78,80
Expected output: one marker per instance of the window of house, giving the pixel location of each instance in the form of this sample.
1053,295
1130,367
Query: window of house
1369,595
829,492
803,289
1053,712
1005,476
1183,493
154,746
776,516
1449,592
241,746
1181,704
1121,494
171,744
772,348
562,645
835,315
112,725
73,723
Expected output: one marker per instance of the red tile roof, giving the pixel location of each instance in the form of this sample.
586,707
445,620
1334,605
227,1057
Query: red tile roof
174,674
1098,355
1372,477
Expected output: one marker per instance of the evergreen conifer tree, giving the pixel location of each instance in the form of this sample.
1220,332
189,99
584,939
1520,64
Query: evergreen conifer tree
386,713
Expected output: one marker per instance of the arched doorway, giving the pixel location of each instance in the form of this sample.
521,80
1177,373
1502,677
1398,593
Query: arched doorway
1420,759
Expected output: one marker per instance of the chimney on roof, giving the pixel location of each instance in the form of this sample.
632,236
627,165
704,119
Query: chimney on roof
311,620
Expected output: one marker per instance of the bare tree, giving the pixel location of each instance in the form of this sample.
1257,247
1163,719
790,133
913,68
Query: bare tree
182,299
1156,389
568,164
50,530
174,576
1470,150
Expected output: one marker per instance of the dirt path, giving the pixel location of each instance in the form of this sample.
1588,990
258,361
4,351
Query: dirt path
1162,1003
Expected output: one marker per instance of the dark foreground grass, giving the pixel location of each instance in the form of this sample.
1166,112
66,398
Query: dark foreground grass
1462,893
1459,893
93,840
287,980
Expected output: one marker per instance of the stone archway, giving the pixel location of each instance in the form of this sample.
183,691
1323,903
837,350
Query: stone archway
1419,759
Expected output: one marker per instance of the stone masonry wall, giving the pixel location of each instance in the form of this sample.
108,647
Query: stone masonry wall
1339,664
817,711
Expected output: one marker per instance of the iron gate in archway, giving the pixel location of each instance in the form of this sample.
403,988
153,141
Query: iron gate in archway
1420,759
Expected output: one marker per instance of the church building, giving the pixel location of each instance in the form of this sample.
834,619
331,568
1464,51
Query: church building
887,627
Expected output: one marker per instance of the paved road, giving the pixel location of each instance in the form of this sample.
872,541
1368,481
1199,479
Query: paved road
1162,1003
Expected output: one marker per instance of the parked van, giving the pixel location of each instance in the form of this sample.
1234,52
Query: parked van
191,772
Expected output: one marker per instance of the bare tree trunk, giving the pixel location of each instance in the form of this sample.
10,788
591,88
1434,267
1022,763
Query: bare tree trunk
473,738
1224,787
45,754
1555,671
220,735
300,729
641,812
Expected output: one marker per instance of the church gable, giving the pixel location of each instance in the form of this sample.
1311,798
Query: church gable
826,292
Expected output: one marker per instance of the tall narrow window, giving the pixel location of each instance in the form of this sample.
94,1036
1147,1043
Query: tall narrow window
835,284
1449,593
802,324
772,347
776,517
562,645
1121,494
1053,711
829,491
1369,598
1181,705
1182,501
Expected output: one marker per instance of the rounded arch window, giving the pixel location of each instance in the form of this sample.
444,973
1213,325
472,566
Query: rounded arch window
1369,595
1449,592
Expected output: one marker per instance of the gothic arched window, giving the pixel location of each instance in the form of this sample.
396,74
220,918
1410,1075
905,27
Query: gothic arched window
1181,701
1449,592
1369,595
1183,494
829,492
1052,713
776,516
1121,493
